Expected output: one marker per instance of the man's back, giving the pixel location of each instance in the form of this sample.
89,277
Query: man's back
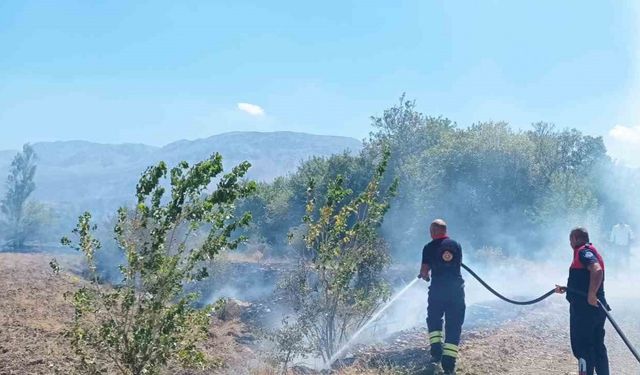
444,256
442,259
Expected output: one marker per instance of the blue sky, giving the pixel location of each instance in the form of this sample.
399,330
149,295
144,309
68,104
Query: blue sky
158,71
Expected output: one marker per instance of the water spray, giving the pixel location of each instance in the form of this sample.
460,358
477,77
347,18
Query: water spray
374,317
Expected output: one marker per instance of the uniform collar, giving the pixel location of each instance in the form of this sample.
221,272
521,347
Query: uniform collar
442,237
582,247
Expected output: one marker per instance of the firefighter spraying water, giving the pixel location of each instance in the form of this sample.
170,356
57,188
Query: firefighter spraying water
441,266
441,261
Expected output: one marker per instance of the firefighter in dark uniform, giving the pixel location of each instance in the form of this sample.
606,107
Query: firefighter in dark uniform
584,288
442,257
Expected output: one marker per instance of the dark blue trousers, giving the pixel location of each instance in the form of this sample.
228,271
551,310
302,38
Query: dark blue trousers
587,337
448,308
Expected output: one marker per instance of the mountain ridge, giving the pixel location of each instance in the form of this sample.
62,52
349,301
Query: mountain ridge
102,176
185,140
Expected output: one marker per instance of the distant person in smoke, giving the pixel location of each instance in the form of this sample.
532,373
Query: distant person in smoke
621,238
584,288
441,259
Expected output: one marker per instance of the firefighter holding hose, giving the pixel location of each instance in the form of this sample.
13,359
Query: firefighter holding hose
585,288
441,260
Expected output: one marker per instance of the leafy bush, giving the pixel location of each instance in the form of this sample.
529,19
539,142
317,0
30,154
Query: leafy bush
148,322
338,283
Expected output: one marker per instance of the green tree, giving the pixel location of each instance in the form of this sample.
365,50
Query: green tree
149,321
18,226
483,178
288,345
419,144
338,283
277,206
37,222
563,166
269,208
485,173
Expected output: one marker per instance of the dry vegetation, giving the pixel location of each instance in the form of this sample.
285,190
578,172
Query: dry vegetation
534,342
33,314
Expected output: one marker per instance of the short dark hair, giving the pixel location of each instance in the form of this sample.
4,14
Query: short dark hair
580,234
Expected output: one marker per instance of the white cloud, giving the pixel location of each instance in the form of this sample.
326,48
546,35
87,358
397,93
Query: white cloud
622,144
252,109
625,134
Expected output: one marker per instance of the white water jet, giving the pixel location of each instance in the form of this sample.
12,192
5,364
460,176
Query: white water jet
371,320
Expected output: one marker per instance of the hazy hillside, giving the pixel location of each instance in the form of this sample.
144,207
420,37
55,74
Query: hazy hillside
101,176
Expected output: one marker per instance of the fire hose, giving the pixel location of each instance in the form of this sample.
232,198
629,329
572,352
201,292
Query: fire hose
547,295
489,288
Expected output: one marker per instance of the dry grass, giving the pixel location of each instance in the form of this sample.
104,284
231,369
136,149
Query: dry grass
370,371
355,370
34,314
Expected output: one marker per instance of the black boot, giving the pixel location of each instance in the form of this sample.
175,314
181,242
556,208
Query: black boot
448,364
436,352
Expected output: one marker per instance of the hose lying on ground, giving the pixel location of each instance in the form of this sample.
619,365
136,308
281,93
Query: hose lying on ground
615,325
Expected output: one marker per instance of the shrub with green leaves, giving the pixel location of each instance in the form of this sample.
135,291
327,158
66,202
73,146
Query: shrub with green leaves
338,283
288,344
149,322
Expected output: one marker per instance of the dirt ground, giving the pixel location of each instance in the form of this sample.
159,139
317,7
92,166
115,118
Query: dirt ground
538,343
33,314
535,341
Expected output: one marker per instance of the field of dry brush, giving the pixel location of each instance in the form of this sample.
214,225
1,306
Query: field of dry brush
33,315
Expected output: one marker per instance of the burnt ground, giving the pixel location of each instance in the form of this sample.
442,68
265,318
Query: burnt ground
498,339
534,340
